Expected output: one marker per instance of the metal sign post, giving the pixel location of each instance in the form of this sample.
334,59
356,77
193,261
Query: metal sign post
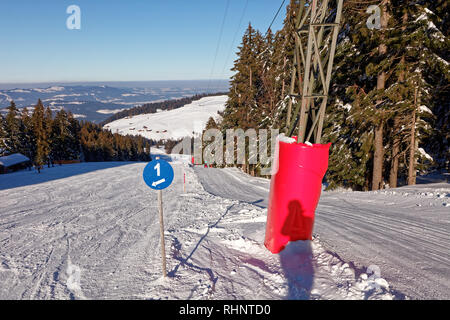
158,175
161,230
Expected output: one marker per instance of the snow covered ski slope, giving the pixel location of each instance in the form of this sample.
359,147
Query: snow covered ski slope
91,231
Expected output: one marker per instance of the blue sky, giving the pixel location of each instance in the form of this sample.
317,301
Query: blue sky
119,40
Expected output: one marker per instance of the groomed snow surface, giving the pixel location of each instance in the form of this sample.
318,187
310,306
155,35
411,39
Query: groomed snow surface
91,231
172,124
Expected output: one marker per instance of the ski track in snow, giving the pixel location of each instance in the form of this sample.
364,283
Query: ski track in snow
403,231
91,231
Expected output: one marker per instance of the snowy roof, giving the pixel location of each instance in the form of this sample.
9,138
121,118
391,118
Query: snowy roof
8,161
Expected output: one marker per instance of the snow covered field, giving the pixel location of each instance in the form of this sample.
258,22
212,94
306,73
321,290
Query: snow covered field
91,231
172,124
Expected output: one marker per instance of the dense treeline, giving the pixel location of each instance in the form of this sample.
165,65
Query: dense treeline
155,106
45,138
388,115
101,145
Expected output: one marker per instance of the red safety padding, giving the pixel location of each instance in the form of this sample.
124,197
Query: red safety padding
294,193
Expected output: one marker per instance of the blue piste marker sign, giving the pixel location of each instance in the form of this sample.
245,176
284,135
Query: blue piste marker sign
158,174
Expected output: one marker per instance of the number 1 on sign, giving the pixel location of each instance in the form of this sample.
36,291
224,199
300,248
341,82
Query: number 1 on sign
158,169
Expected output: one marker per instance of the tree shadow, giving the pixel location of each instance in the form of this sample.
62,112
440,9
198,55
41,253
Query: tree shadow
297,257
27,178
184,261
259,203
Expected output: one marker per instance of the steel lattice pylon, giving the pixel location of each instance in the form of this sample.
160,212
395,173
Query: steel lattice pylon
312,67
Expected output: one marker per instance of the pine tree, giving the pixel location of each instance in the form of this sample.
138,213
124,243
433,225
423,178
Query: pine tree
40,134
60,136
74,150
241,103
269,92
242,109
351,117
2,136
12,123
26,136
48,124
422,77
211,124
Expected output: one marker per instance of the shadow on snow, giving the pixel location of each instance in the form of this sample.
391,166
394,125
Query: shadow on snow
27,177
297,257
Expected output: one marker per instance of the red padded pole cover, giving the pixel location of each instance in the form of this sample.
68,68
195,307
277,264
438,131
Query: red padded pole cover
294,193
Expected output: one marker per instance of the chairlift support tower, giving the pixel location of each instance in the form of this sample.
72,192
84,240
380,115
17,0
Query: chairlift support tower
312,68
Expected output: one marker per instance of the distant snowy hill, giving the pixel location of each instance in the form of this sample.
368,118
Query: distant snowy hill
97,102
173,124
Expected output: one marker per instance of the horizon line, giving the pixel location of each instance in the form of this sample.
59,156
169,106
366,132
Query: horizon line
94,81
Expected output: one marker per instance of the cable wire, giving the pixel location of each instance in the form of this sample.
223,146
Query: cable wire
276,15
218,44
244,11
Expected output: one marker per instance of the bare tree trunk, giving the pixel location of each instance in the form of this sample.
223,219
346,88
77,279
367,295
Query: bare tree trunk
251,87
377,178
251,81
244,165
284,82
366,184
239,96
413,146
393,175
378,157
